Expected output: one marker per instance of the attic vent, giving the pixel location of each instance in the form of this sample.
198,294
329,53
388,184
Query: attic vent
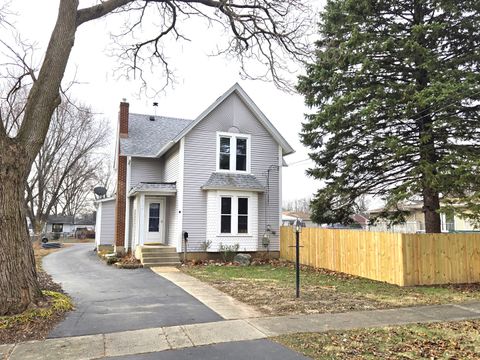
152,118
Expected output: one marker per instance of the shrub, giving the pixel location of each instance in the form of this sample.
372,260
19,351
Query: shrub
206,245
228,251
112,260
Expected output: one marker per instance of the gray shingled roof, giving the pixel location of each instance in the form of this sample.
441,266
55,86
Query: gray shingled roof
146,138
60,219
150,186
218,181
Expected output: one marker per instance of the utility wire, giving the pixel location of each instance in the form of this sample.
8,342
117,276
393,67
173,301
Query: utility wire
299,161
296,163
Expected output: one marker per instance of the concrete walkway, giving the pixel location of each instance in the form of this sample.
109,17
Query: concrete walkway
224,305
186,336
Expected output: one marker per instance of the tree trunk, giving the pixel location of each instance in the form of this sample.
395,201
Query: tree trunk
424,120
19,287
431,205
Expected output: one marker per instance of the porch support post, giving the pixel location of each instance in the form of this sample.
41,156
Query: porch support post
141,221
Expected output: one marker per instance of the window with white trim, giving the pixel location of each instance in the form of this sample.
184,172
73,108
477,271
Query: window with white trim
234,215
242,215
226,215
233,153
224,153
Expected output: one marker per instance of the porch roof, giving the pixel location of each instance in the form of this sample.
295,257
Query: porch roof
232,181
161,188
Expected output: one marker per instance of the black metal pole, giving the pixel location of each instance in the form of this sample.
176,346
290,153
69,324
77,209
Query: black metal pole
297,263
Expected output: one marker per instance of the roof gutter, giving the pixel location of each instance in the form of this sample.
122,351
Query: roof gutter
167,147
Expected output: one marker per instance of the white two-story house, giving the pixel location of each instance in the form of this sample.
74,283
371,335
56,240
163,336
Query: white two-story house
218,178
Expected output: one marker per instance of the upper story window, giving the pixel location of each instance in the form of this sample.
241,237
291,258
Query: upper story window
233,153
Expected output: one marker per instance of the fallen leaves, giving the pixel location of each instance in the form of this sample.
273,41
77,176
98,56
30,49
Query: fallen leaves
449,340
270,286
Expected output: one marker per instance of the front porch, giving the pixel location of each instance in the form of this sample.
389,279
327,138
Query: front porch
153,255
152,217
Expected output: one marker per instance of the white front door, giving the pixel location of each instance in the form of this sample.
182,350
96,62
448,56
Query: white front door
154,220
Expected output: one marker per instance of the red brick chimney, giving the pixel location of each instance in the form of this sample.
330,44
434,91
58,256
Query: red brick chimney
120,205
123,119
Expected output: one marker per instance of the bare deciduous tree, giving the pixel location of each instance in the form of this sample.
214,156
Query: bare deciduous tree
62,173
297,205
267,31
77,190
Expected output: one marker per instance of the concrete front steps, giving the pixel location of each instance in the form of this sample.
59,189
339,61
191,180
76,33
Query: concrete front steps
157,255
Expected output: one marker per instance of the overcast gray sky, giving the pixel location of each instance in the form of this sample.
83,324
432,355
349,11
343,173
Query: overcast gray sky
200,79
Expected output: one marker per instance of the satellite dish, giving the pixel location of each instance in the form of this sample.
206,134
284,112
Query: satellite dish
100,191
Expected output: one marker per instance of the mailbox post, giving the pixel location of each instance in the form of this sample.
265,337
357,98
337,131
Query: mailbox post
185,241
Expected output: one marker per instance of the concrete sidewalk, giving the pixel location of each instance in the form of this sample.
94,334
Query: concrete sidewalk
184,336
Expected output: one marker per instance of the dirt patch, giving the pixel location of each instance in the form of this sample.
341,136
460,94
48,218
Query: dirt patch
36,323
449,340
271,288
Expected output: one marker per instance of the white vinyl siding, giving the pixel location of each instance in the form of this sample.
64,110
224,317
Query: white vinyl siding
201,160
145,170
248,241
172,159
171,174
106,223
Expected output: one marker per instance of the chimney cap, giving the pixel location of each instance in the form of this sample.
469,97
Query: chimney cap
155,103
124,99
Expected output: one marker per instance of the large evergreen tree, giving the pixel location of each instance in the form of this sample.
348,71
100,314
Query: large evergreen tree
396,93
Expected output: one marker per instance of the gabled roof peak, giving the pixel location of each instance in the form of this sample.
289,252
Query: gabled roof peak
236,88
153,136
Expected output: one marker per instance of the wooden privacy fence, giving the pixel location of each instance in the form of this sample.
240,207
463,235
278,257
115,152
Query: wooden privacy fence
402,259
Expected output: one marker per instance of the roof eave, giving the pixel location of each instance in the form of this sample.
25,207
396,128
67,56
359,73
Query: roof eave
153,192
232,188
167,147
104,200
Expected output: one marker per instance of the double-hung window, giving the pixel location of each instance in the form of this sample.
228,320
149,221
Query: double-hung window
241,160
226,215
233,215
242,215
233,152
224,153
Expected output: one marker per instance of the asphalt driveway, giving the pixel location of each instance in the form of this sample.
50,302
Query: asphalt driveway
110,300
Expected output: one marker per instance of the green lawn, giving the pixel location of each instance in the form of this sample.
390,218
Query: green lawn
272,289
451,340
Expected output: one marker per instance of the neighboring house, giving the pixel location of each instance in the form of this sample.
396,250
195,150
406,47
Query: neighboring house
289,218
67,225
361,220
415,220
60,224
217,177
